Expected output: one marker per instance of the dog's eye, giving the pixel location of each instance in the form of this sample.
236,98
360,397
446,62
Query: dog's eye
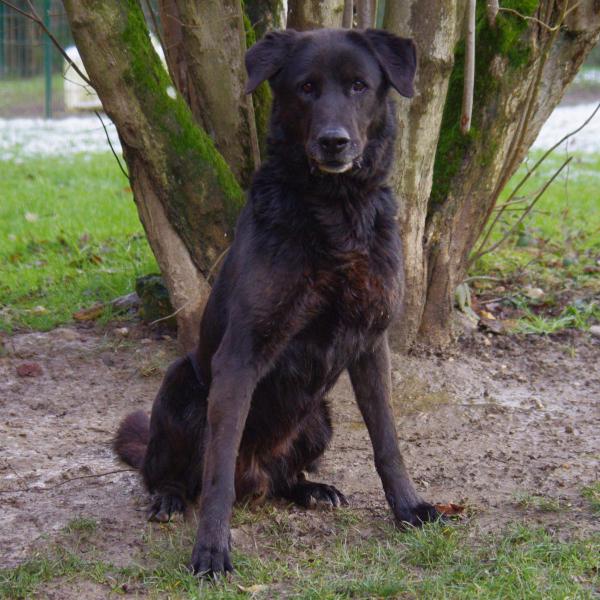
307,87
359,86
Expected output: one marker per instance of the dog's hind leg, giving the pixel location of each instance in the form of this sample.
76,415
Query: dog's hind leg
172,466
288,472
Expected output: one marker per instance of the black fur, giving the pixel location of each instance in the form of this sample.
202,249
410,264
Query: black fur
308,289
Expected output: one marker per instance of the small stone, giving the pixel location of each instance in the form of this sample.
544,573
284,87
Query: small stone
534,293
538,403
122,331
595,330
107,359
569,429
29,369
68,335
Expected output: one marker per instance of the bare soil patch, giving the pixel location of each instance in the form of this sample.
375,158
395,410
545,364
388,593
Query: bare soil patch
499,417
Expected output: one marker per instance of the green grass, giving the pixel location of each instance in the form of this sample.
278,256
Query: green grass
69,237
438,561
555,249
592,494
25,91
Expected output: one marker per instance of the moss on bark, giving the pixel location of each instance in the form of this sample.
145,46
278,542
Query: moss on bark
194,183
507,44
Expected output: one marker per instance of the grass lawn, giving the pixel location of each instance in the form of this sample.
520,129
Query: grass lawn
29,92
547,273
438,561
69,237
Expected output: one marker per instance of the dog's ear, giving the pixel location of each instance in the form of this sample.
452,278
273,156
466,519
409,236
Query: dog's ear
266,57
397,57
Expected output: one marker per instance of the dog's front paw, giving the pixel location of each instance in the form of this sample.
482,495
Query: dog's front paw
210,562
418,514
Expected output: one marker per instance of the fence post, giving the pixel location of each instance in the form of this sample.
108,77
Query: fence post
47,64
2,61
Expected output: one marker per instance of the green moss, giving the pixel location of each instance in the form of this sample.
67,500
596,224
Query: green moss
193,165
507,40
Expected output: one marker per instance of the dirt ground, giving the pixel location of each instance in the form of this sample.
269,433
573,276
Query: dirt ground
498,417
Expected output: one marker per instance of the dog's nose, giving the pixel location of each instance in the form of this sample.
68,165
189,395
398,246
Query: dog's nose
334,140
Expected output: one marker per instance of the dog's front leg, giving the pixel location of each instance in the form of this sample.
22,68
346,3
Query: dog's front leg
371,380
228,404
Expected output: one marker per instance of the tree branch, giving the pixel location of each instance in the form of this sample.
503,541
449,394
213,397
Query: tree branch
364,16
525,212
479,252
33,16
348,17
492,11
469,80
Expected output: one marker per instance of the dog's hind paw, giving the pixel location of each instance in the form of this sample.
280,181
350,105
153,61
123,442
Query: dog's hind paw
164,507
310,495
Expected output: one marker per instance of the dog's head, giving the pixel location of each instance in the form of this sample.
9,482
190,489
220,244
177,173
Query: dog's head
329,87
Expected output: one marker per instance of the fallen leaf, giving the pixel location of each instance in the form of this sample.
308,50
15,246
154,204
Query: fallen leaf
450,510
89,314
487,315
29,369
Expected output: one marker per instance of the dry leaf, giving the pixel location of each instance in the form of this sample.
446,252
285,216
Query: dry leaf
89,314
29,369
450,510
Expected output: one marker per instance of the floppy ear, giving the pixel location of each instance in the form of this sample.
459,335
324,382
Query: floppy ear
266,57
397,57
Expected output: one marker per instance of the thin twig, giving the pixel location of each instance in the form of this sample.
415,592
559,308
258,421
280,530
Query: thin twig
526,178
33,16
539,21
469,77
173,314
217,263
112,149
53,487
525,212
348,16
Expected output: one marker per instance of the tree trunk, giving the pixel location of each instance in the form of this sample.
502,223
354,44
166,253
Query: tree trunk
265,15
419,122
186,196
314,14
205,46
447,182
522,71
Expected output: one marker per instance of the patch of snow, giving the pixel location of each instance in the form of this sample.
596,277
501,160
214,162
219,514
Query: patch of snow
26,138
566,119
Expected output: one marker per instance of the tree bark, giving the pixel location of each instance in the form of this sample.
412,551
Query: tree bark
517,86
419,122
445,203
205,46
266,15
314,14
187,197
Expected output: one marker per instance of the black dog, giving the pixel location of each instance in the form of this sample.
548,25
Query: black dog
307,290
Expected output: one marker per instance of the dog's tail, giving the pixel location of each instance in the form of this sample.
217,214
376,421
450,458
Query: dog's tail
132,437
